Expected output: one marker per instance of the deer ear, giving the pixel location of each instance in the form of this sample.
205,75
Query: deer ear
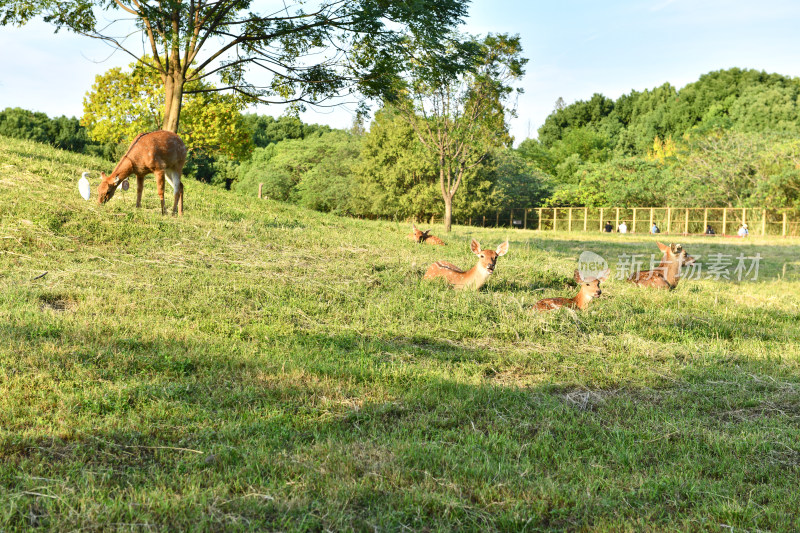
503,248
475,247
414,227
578,276
604,275
663,247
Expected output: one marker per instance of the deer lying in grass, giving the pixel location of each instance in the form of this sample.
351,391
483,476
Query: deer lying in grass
667,274
589,288
475,277
161,153
424,237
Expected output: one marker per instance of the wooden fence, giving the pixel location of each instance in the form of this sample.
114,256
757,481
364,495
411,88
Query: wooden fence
670,220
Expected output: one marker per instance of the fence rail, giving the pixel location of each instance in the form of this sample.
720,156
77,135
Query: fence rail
670,220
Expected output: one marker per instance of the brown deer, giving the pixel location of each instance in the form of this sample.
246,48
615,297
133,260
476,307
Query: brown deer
589,288
475,277
159,153
667,274
424,237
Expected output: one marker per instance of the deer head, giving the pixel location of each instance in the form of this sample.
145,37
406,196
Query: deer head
590,286
488,258
419,236
675,253
107,188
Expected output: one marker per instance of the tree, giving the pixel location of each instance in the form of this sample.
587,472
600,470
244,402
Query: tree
455,98
269,130
305,52
397,174
316,172
122,105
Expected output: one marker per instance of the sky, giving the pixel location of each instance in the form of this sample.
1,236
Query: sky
575,49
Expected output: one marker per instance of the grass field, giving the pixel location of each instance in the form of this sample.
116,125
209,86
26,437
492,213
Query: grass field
254,366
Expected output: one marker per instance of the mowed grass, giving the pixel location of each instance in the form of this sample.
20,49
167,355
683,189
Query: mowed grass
254,366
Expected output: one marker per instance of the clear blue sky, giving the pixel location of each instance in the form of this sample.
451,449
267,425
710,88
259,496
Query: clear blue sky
576,49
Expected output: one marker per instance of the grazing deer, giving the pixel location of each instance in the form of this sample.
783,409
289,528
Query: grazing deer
667,274
425,237
475,277
160,153
589,288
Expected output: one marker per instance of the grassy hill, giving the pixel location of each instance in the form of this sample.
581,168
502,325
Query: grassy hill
256,366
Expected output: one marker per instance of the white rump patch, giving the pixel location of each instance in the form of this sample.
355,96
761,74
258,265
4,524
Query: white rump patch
174,179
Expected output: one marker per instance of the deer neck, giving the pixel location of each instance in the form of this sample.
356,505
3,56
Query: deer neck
123,169
671,270
582,300
476,276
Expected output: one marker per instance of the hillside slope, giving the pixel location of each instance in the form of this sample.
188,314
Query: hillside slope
257,366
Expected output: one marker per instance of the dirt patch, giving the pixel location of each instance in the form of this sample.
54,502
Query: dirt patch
57,303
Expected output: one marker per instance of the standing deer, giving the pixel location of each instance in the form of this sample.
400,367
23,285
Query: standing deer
667,274
425,237
475,277
589,288
161,153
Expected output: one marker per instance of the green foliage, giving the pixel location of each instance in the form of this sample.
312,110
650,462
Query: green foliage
123,104
316,172
712,139
457,100
62,132
398,176
269,130
303,53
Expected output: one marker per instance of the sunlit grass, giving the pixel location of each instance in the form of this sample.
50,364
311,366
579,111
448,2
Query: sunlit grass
256,366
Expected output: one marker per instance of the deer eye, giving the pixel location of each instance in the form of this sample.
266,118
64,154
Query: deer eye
482,256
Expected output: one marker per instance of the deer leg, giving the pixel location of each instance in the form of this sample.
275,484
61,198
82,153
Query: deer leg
139,189
177,189
180,201
159,174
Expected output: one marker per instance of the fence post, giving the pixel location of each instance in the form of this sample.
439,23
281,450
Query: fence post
783,232
669,219
763,222
744,213
525,218
555,217
633,224
651,220
724,219
540,219
687,221
616,221
569,224
497,220
585,217
705,219
483,225
601,219
260,186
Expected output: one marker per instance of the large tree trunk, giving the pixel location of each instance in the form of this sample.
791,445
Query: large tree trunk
448,212
173,100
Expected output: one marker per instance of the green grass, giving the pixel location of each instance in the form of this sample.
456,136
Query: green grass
254,366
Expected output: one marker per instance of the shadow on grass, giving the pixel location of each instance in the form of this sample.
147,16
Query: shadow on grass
340,431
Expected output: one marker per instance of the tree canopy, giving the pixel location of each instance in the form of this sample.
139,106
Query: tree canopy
123,104
300,52
456,99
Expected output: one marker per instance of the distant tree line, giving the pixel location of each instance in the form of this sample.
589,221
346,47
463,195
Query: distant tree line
732,138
